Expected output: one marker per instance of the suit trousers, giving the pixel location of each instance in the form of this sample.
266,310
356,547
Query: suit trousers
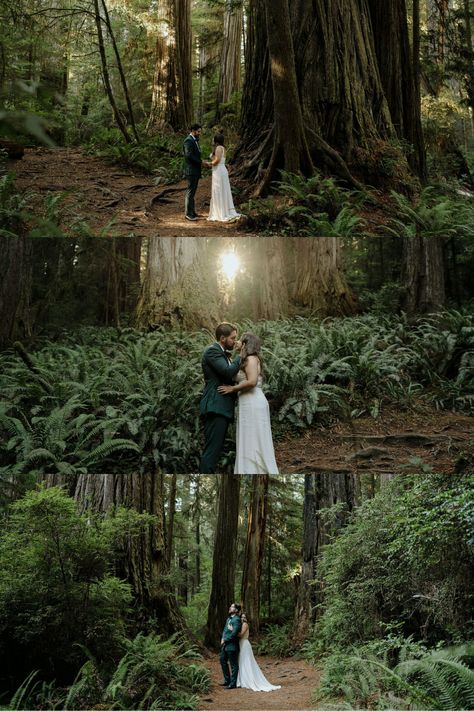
215,430
229,657
189,208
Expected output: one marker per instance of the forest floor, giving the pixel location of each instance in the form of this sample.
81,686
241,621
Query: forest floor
383,445
297,679
113,200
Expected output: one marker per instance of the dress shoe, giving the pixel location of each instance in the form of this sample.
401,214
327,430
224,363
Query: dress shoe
189,217
224,683
231,687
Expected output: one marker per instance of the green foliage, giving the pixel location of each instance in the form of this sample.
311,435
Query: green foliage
152,675
399,674
57,590
405,558
108,401
313,206
156,155
275,641
433,215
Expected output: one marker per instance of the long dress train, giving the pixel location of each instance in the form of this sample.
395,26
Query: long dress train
250,675
222,205
254,444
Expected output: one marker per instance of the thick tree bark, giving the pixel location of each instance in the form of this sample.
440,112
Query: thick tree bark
398,68
253,560
229,75
318,282
15,289
179,285
144,557
269,287
339,92
423,274
172,85
321,491
224,559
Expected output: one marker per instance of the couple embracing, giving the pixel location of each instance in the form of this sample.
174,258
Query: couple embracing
238,663
226,380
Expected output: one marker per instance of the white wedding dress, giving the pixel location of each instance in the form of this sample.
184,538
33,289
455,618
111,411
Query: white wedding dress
222,205
254,444
250,675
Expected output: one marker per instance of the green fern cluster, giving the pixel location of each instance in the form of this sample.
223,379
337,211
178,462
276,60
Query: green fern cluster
440,679
104,400
275,641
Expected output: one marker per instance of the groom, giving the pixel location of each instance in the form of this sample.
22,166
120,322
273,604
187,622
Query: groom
230,647
192,169
218,410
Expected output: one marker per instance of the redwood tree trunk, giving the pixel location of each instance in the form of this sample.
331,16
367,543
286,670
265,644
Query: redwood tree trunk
229,76
423,274
15,289
224,559
179,285
318,282
253,560
321,492
398,68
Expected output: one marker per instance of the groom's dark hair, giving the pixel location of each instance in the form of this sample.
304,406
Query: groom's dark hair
225,329
237,606
195,126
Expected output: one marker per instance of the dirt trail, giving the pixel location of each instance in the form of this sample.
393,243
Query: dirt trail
297,678
99,192
384,445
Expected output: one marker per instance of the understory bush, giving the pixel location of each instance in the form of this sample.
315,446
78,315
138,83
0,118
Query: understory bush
58,591
407,557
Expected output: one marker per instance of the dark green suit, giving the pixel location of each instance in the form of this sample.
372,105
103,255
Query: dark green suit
230,650
192,171
217,410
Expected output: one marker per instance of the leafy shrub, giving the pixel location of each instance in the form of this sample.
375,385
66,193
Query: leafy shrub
406,557
275,641
57,593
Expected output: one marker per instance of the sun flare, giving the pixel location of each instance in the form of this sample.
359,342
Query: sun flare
230,265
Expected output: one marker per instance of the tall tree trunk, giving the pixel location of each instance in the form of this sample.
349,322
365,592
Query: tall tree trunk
338,88
145,556
224,559
179,286
171,515
105,75
318,282
423,274
269,287
172,83
321,492
229,75
121,71
469,51
399,73
253,560
16,264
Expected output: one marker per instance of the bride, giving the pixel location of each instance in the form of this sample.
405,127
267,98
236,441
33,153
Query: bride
222,205
254,445
250,675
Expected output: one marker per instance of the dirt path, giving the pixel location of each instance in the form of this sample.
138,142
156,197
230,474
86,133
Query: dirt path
384,445
100,193
297,678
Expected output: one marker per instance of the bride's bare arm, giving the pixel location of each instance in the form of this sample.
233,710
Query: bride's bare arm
251,375
218,153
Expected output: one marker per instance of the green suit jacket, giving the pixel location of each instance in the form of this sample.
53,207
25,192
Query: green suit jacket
192,157
218,371
231,636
